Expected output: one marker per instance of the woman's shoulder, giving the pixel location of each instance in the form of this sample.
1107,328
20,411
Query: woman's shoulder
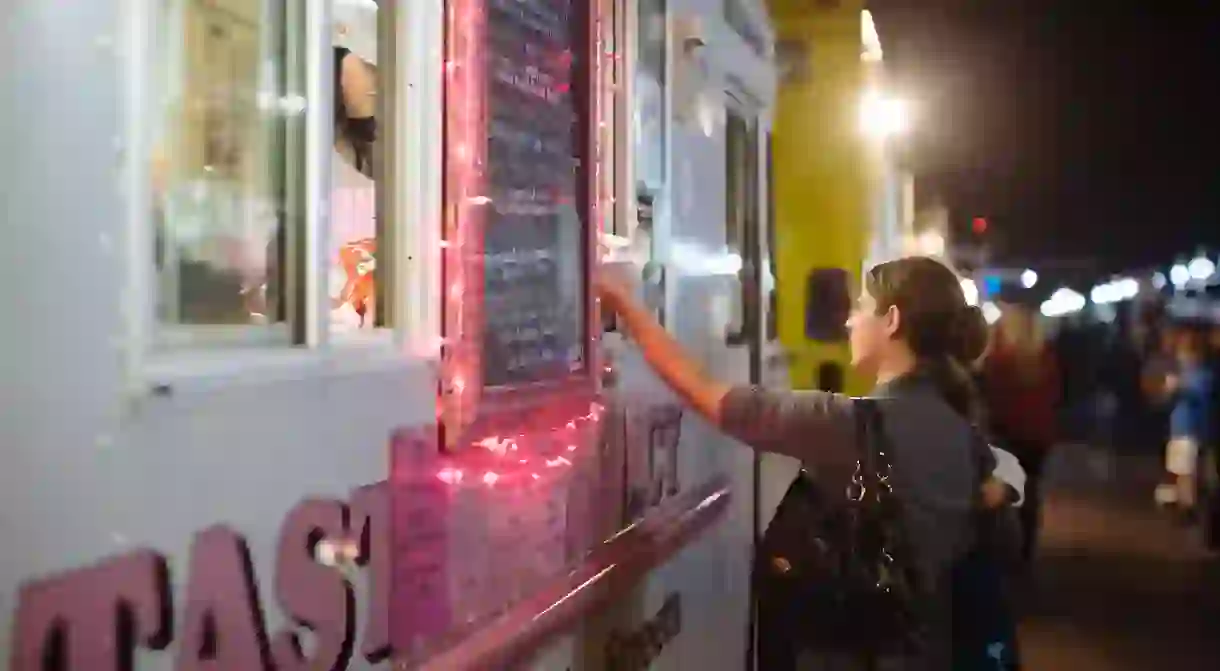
925,426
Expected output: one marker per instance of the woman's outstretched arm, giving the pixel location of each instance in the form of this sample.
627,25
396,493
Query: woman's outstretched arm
815,427
664,355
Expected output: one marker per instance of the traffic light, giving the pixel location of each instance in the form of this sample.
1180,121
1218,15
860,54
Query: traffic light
979,225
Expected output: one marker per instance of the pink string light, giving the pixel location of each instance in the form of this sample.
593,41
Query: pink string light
467,199
503,467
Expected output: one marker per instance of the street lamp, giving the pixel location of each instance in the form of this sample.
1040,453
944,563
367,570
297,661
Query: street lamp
883,116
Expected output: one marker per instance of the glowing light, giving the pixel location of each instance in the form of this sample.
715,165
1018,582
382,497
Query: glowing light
462,224
991,312
1201,268
695,260
1063,302
537,444
930,243
461,249
1179,274
1029,278
1115,291
496,444
1159,280
334,553
870,41
883,117
293,105
971,291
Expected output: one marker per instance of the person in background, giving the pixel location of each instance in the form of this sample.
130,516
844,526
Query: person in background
1209,480
1190,392
1020,381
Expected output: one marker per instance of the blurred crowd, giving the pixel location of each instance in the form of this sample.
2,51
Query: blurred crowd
1140,384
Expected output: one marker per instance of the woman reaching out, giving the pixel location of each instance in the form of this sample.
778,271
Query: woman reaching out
912,331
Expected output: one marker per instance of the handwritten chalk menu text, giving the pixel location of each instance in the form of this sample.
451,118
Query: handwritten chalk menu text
534,239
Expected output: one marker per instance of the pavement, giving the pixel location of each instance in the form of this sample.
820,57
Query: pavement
1118,585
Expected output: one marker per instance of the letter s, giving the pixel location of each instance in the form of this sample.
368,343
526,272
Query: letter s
314,596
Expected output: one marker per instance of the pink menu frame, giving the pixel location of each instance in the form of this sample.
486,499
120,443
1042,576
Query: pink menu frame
468,410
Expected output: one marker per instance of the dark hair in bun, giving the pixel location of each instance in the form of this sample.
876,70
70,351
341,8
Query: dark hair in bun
969,335
943,332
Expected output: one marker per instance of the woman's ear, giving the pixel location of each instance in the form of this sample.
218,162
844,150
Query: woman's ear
893,321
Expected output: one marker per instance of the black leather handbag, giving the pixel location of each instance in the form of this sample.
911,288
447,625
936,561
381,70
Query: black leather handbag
984,623
837,565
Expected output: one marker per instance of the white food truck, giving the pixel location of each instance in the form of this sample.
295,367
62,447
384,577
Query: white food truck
301,365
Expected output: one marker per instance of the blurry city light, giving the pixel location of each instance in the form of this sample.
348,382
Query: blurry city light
882,116
1029,278
971,291
1115,291
1158,280
700,262
1201,268
991,312
930,243
992,285
1105,314
1063,302
870,41
1179,275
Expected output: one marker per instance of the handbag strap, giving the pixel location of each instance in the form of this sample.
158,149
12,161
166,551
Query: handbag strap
872,446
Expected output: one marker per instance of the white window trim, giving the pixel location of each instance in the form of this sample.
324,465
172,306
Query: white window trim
622,148
626,191
216,357
319,144
766,236
421,23
136,184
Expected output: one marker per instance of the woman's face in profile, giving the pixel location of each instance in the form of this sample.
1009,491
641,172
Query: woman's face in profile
868,333
358,81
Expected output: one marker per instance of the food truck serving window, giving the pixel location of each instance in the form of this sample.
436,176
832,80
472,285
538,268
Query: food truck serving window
354,258
535,241
223,188
258,177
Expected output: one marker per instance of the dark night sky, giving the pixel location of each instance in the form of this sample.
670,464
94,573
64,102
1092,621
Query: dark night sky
1080,129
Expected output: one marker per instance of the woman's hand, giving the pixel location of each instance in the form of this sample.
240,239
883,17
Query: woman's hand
613,287
995,493
1172,382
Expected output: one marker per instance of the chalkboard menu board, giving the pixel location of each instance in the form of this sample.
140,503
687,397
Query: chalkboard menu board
534,237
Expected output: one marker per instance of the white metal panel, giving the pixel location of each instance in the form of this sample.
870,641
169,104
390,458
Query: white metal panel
95,467
712,576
